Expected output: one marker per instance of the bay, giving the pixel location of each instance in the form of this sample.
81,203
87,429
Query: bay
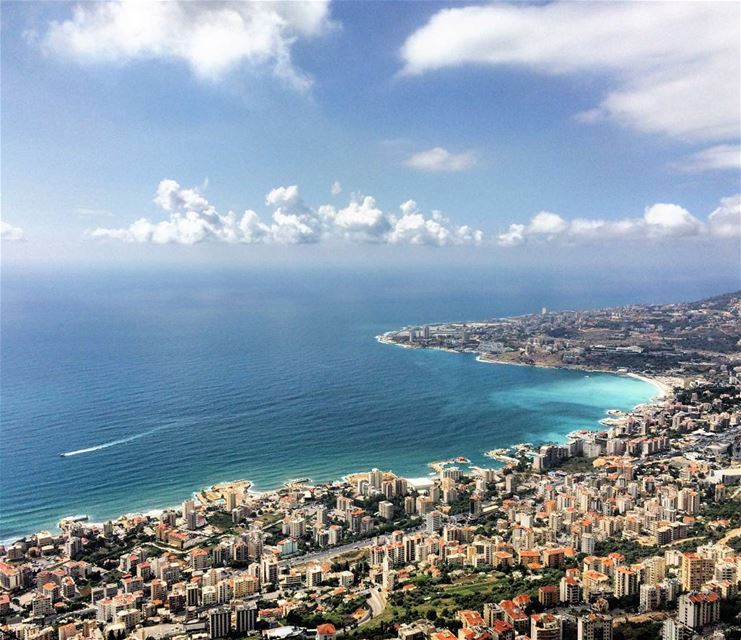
158,384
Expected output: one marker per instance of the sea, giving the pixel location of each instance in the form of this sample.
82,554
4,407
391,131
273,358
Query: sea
156,383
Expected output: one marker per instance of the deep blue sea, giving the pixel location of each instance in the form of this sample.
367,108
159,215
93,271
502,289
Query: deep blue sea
165,383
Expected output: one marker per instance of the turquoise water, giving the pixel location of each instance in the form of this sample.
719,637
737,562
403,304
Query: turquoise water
158,386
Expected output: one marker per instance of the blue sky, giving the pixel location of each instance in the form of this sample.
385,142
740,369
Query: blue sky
623,135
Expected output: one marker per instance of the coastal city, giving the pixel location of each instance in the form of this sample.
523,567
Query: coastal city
665,340
630,529
370,320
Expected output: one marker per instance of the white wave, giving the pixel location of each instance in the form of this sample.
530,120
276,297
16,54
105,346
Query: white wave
105,445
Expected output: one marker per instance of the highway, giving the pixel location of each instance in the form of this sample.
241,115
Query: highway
326,554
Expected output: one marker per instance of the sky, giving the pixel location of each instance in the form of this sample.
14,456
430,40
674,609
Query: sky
517,134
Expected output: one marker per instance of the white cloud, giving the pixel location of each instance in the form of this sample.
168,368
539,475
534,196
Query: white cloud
293,222
170,196
725,221
212,37
336,188
670,220
546,223
514,236
719,157
192,219
360,220
10,233
439,159
284,197
412,227
658,221
673,66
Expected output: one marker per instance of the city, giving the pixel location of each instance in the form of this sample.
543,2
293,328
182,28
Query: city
370,320
630,531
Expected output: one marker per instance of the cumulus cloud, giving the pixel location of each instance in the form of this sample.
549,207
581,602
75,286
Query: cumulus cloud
336,188
515,235
660,220
412,227
719,157
193,219
546,223
211,37
361,220
10,233
439,159
673,67
725,221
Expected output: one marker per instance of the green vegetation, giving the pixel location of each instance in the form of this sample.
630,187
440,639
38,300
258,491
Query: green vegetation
726,510
575,465
637,631
735,544
340,616
632,551
220,520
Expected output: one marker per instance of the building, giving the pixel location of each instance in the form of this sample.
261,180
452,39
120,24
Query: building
650,597
219,622
696,571
673,630
129,618
41,606
626,582
548,595
502,630
314,576
10,577
588,544
433,521
198,559
570,590
326,632
546,626
245,616
470,619
389,580
386,510
269,571
595,583
230,501
697,610
594,626
375,478
67,631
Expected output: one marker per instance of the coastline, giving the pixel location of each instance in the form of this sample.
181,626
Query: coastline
419,481
168,503
661,383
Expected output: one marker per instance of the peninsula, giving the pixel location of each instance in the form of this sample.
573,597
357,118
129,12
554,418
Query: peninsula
660,341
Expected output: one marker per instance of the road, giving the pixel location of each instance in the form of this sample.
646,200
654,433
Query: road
326,554
376,602
733,533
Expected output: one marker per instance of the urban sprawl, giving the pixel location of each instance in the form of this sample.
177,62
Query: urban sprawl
629,532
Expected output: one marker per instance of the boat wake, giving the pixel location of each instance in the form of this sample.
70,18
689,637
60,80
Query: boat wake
112,443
